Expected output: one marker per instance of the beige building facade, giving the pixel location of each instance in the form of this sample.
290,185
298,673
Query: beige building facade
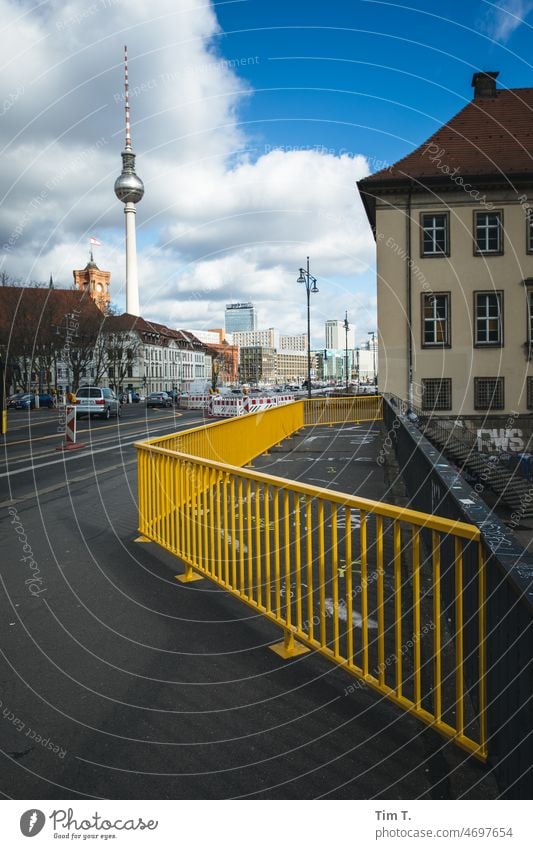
454,241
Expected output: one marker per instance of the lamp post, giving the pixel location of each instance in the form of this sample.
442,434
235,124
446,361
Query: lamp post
307,278
346,329
372,333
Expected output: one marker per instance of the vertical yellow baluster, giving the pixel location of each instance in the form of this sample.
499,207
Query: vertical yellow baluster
266,507
349,583
241,537
416,618
482,600
277,566
437,664
225,496
286,546
212,521
380,599
218,513
321,572
459,648
298,561
234,507
258,554
364,590
397,542
249,538
335,578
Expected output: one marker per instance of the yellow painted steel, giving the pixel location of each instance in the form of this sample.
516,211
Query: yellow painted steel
353,408
340,574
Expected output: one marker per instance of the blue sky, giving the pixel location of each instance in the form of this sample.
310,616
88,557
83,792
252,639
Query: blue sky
252,121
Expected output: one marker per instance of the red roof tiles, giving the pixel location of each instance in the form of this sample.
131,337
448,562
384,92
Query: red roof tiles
490,136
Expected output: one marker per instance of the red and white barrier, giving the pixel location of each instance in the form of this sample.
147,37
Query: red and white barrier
196,402
70,431
227,406
222,406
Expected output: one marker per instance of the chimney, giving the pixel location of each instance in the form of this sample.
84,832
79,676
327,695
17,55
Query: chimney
484,84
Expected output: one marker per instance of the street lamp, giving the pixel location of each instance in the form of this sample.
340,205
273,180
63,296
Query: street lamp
346,329
307,278
372,333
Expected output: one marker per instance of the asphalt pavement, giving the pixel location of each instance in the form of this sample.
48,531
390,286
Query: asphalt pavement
117,681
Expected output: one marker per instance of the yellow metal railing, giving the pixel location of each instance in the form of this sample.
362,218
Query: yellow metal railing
357,408
342,575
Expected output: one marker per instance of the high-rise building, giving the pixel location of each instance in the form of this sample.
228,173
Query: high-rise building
336,335
240,317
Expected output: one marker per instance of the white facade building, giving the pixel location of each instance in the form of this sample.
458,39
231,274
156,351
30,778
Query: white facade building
269,338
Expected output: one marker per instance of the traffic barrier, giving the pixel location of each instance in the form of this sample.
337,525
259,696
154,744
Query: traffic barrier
70,442
253,404
342,575
222,406
196,402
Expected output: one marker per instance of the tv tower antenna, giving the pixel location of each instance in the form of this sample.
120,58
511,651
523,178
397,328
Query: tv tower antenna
129,189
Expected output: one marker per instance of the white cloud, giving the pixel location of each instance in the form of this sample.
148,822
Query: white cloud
219,220
505,17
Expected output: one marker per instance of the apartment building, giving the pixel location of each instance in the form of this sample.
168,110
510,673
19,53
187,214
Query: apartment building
453,223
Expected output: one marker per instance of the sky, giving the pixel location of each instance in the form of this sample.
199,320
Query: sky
252,121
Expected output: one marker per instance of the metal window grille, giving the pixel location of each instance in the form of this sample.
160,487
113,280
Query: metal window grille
488,232
435,234
437,393
489,393
530,393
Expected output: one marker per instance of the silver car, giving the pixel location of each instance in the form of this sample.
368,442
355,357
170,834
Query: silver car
95,401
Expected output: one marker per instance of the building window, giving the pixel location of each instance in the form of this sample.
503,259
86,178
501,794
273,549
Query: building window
529,231
530,393
488,309
488,235
129,371
436,393
435,239
436,319
488,393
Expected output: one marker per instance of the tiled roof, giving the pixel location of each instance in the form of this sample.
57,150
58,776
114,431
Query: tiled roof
489,137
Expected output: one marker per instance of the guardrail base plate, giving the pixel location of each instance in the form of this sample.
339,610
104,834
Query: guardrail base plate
288,648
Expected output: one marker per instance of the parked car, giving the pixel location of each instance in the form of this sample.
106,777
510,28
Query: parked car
159,399
12,400
27,401
95,401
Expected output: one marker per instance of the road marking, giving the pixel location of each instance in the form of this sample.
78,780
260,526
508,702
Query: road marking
52,453
56,486
77,456
86,430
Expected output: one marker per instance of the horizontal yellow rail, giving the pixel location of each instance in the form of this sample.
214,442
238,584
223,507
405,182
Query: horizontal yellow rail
357,408
346,576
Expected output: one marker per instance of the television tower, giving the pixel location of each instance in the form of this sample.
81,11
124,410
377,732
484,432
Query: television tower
129,189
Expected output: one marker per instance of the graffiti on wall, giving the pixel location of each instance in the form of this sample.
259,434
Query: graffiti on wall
500,439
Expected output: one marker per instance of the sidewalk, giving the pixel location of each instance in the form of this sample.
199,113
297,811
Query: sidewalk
345,460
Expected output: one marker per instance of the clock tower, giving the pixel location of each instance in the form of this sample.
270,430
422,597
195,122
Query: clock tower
90,279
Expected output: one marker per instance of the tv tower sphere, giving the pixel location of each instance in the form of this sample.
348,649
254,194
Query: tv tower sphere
129,188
